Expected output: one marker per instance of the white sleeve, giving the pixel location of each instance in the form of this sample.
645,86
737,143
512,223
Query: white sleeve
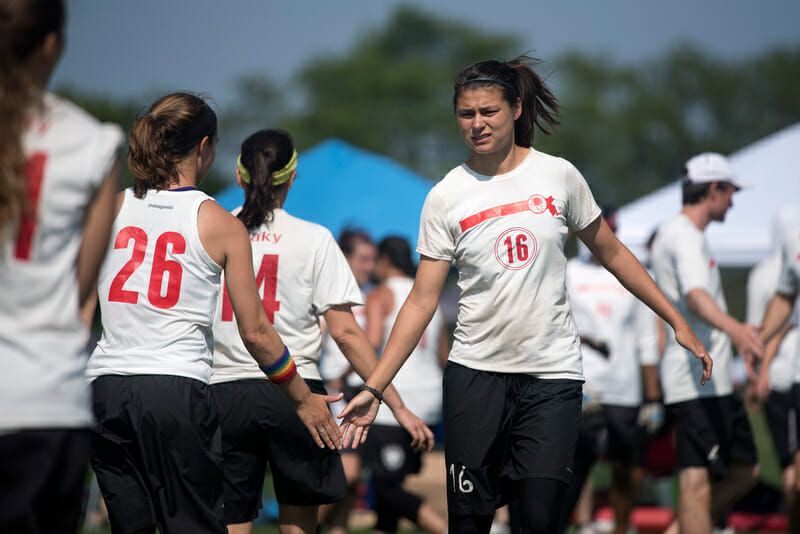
581,206
692,264
756,303
436,239
646,332
334,283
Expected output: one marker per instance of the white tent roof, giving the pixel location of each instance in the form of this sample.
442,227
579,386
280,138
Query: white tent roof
770,169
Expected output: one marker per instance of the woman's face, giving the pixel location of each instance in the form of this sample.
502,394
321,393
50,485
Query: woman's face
362,262
486,120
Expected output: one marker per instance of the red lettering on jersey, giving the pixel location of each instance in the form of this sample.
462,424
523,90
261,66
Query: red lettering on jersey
267,281
551,207
34,174
712,263
265,236
491,213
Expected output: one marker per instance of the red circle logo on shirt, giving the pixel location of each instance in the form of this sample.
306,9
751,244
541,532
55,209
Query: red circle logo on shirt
516,248
537,204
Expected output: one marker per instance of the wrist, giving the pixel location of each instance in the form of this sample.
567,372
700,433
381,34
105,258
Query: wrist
375,393
281,370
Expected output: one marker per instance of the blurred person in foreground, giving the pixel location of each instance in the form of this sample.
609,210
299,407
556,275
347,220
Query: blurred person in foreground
776,316
302,276
619,345
389,451
716,453
58,177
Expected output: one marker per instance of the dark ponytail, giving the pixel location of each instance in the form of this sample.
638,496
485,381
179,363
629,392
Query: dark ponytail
516,79
263,153
398,252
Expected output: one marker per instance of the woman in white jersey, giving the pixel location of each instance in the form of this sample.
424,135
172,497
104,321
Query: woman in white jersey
512,386
302,276
388,451
58,176
157,451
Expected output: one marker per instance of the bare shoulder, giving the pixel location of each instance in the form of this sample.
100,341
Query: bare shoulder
219,230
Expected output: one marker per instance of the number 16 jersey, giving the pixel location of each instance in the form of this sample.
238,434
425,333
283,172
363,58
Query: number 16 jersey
158,290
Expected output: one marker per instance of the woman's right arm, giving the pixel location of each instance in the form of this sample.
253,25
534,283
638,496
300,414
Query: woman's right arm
228,243
414,316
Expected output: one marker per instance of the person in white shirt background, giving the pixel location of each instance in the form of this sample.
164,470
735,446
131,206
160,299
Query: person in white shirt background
778,312
619,344
512,385
302,276
716,453
360,253
157,448
388,451
778,371
58,177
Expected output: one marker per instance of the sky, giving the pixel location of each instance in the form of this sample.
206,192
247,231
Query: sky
138,49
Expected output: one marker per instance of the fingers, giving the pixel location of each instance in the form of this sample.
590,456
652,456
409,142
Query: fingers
330,399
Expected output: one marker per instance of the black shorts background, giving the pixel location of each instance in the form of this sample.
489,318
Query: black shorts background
712,432
780,413
157,453
627,441
388,452
260,426
503,427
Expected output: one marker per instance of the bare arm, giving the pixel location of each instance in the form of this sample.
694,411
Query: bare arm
763,385
414,316
96,235
226,240
357,349
743,336
378,306
778,311
444,344
620,262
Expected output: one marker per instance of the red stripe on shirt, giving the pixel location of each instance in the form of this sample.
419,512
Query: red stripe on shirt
491,213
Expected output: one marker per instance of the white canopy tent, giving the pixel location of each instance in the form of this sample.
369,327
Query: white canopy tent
770,169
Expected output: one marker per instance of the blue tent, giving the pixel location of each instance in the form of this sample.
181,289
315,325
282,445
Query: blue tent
339,185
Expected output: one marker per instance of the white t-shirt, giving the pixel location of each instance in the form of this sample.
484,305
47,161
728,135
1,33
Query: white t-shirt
506,234
42,339
605,311
419,380
301,273
681,261
158,290
761,284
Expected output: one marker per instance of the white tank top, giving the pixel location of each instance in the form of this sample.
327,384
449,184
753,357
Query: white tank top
42,339
419,380
158,290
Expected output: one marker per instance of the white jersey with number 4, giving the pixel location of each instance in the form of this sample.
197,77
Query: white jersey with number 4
301,273
506,234
42,339
681,261
419,380
158,290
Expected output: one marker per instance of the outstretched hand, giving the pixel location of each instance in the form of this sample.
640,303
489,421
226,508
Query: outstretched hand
689,340
356,418
316,415
421,435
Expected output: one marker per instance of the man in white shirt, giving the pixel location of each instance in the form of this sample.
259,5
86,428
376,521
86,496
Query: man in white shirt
716,454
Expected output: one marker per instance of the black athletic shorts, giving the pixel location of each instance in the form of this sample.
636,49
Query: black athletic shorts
260,425
389,454
157,453
500,428
627,441
782,422
42,474
713,432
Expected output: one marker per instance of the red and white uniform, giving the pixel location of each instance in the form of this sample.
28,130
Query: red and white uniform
42,339
506,234
605,311
681,261
158,290
301,273
419,380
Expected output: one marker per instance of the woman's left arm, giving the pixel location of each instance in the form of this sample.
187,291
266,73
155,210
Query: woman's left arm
621,262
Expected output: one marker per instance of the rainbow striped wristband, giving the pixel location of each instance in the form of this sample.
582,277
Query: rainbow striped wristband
282,370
